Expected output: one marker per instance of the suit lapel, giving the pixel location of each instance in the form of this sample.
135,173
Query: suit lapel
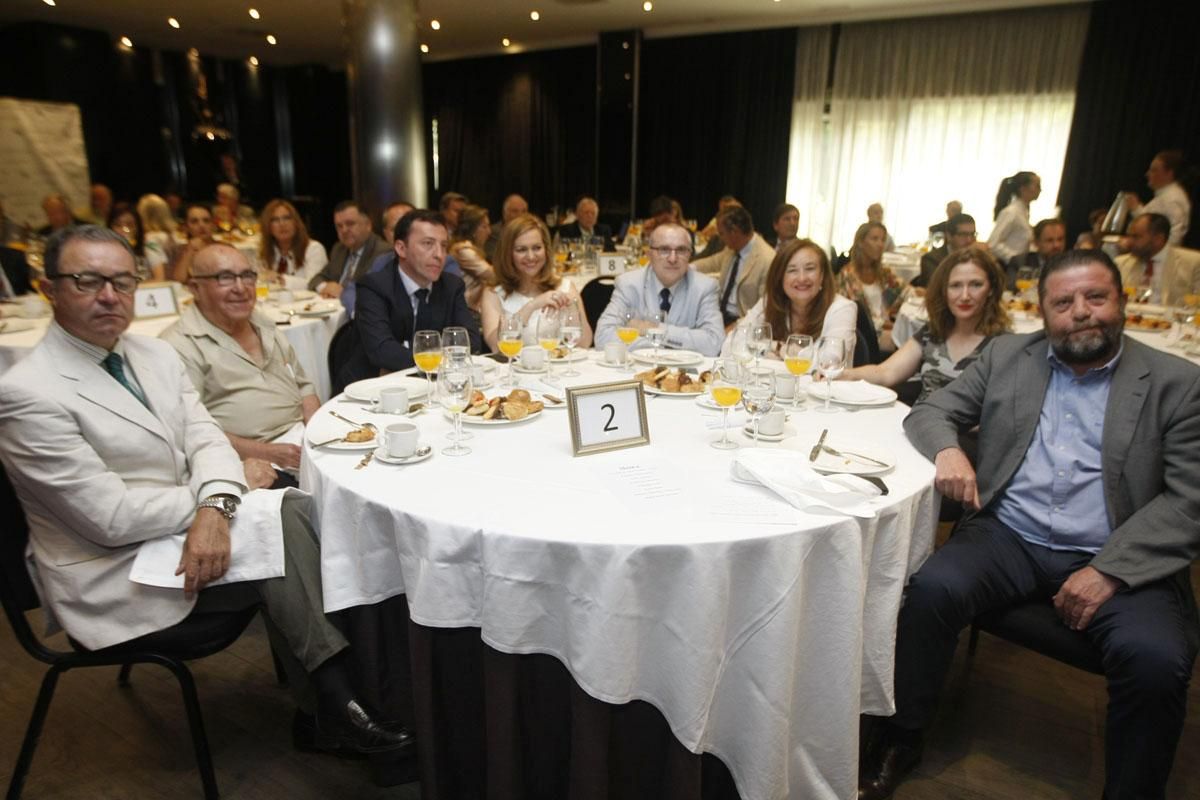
1126,396
1031,381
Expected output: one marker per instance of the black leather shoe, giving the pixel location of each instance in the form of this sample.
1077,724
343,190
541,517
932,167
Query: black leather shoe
894,760
351,732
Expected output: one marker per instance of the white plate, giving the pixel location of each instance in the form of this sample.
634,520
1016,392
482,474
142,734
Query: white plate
853,393
368,390
527,370
827,463
469,420
303,294
788,431
16,325
381,454
319,309
666,358
329,432
600,362
705,401
653,390
577,355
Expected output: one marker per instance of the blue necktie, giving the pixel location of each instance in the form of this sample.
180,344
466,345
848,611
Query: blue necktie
115,366
664,301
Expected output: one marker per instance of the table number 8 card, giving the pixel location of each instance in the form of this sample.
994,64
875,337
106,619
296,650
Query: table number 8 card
607,416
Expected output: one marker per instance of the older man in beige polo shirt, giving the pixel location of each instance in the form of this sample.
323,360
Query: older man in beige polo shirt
245,370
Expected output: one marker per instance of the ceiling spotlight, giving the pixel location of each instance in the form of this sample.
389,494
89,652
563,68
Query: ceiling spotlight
212,137
49,2
253,60
174,23
505,41
535,16
126,41
433,23
424,48
647,6
254,14
271,39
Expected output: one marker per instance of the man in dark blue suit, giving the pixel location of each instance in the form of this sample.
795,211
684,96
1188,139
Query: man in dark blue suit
409,295
587,211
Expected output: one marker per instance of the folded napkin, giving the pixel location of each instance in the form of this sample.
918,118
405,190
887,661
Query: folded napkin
857,392
789,475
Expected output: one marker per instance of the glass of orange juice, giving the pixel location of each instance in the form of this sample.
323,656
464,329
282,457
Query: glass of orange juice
628,332
511,342
798,358
427,354
726,392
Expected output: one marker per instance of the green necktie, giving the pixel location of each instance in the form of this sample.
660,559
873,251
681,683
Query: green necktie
115,365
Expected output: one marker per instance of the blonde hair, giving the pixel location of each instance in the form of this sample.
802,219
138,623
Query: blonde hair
156,214
507,275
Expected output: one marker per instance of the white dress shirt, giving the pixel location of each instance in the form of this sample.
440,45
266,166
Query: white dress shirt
1013,233
1172,202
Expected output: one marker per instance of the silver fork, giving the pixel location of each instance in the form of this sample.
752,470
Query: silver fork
848,454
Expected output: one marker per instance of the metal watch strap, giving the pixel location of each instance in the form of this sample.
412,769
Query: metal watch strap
224,503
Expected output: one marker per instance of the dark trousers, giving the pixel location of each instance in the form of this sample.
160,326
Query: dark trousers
1146,638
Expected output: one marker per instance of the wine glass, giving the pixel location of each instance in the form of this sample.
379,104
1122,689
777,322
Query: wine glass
739,345
456,343
427,354
759,341
798,358
627,332
454,393
758,396
657,332
571,329
726,391
549,331
511,341
831,360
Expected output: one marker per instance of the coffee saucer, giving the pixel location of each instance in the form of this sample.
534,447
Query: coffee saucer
424,452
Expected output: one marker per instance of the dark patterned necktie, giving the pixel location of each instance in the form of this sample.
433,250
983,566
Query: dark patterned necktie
664,301
115,366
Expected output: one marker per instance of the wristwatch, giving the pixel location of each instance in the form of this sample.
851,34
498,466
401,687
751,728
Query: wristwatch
225,503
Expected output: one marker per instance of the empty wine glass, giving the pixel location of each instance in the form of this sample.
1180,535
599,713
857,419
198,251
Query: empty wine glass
549,331
831,360
454,393
798,358
758,396
427,354
456,343
726,391
760,341
511,341
657,332
739,345
571,328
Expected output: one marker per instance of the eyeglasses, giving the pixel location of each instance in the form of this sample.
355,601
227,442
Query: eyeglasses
93,282
665,252
227,278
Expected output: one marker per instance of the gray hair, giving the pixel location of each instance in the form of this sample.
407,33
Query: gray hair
78,233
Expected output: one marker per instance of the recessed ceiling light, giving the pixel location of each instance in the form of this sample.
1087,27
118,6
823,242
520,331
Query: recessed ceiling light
647,6
49,2
535,16
174,23
433,23
271,39
211,136
505,41
424,48
254,14
126,41
253,61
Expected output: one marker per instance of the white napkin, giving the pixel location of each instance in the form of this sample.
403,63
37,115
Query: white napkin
789,475
257,546
858,392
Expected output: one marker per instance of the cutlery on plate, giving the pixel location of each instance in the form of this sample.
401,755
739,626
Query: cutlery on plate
815,453
349,421
365,460
414,409
848,454
330,441
555,399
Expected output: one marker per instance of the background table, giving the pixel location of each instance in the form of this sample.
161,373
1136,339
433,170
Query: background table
758,643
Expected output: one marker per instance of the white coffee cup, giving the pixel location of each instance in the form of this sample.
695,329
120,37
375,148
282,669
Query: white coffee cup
401,439
533,358
771,423
785,385
478,375
393,400
615,352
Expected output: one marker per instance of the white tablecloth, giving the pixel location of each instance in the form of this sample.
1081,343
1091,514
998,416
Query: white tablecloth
759,642
310,336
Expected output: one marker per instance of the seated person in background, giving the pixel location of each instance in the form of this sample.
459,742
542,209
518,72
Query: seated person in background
351,257
953,209
99,208
391,215
1050,239
451,204
159,227
960,234
466,250
198,226
668,285
742,265
229,211
1160,272
108,447
285,247
10,230
786,223
866,279
875,214
243,368
526,283
14,275
1083,495
413,294
801,297
587,211
58,214
514,206
965,310
712,231
124,220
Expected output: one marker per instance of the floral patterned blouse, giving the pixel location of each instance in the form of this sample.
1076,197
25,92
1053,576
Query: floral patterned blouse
850,285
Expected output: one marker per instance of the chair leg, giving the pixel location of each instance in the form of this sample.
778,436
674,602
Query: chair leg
33,733
281,676
123,677
191,704
973,642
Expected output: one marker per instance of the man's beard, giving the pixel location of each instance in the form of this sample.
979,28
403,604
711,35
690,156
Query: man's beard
1100,342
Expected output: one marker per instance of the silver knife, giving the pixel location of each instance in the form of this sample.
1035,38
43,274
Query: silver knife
815,453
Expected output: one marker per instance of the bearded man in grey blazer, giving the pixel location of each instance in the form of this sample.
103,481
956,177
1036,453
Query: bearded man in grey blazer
1086,494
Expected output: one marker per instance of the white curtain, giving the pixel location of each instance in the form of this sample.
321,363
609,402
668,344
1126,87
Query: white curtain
923,111
809,174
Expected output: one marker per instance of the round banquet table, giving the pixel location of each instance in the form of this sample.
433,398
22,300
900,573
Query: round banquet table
759,631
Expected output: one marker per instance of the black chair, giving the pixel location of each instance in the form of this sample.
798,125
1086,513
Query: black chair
340,358
866,343
1035,625
596,294
197,636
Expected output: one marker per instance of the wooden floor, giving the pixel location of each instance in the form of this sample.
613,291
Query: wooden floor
1012,725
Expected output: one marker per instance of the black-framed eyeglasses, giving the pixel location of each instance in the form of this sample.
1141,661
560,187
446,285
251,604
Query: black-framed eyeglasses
227,278
93,282
665,252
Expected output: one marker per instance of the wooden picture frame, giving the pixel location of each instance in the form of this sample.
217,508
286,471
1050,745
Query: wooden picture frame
607,416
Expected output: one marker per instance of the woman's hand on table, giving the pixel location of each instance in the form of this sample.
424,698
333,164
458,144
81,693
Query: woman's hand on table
554,298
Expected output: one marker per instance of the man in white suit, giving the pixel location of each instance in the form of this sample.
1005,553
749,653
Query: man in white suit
108,447
1167,271
742,266
670,286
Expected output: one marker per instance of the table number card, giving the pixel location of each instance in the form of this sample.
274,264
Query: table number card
154,300
610,264
607,416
